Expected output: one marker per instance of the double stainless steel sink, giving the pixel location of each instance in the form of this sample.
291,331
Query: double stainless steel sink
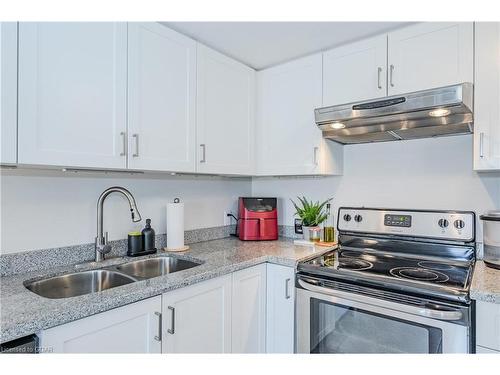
86,282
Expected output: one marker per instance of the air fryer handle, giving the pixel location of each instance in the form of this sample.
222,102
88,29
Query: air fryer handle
262,227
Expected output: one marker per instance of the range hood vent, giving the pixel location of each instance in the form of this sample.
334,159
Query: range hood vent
423,114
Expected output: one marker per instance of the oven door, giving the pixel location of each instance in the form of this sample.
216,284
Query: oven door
335,321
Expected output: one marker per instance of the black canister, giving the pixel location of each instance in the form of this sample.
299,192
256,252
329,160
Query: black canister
135,244
148,237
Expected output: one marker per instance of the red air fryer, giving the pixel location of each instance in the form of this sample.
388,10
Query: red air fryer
257,219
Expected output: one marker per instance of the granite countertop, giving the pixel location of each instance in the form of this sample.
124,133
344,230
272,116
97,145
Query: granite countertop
23,312
485,283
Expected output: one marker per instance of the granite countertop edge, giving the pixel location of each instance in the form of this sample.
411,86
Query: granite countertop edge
24,313
485,284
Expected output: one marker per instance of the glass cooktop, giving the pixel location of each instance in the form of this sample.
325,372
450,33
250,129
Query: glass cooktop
390,269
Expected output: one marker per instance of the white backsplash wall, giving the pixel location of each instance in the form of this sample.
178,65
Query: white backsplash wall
43,209
431,173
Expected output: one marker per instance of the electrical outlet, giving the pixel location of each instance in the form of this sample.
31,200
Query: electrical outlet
227,219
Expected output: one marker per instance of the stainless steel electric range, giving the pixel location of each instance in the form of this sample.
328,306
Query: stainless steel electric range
398,283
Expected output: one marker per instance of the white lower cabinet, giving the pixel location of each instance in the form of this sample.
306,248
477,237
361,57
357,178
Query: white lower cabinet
487,326
249,310
197,318
280,309
132,328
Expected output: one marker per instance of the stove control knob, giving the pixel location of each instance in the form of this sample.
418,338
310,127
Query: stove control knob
347,217
358,218
443,223
459,224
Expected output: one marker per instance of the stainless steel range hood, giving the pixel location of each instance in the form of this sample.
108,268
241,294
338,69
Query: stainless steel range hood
430,113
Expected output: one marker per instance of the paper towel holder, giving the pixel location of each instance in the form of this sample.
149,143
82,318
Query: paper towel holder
179,249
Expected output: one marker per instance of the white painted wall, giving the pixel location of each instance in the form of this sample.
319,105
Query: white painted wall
427,173
51,209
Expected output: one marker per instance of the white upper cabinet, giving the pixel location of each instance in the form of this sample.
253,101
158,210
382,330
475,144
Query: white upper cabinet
288,140
487,97
162,99
8,92
225,114
355,72
428,55
72,94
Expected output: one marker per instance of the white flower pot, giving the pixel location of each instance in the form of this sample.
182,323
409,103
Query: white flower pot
306,232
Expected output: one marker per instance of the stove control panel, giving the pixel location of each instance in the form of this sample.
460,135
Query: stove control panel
445,225
397,220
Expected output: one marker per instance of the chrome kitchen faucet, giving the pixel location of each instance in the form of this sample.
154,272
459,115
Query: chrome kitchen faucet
101,241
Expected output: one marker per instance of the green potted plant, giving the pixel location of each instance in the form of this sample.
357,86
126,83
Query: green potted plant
311,213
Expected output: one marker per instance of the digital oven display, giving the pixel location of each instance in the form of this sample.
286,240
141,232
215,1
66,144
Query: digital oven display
397,220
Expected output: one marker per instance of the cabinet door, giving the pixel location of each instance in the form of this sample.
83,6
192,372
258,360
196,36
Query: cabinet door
225,114
132,328
72,94
288,140
249,310
429,55
280,309
355,72
197,318
488,325
487,96
162,84
8,92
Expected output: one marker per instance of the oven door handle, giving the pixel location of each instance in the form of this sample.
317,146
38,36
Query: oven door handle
448,315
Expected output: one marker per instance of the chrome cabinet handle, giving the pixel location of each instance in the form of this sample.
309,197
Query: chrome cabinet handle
379,72
136,153
481,145
158,337
315,155
391,75
171,330
203,153
124,144
287,289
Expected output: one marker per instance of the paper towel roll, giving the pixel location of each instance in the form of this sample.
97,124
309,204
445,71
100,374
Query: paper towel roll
175,225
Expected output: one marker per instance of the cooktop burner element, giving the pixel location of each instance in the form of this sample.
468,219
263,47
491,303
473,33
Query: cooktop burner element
420,274
354,264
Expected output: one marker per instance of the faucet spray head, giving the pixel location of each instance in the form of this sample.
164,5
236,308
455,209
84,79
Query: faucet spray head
136,216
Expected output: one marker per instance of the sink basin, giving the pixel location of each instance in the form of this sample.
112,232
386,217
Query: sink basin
77,284
153,267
